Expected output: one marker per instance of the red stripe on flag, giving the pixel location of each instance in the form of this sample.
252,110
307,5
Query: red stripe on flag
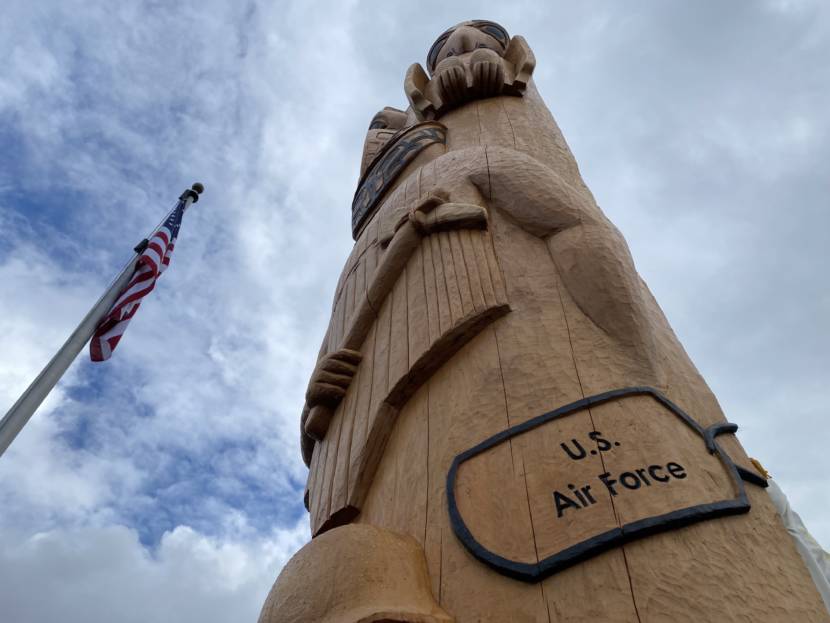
153,261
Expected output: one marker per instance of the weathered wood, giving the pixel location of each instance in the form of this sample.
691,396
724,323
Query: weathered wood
539,373
441,289
418,318
391,390
340,480
378,576
431,291
471,388
355,313
363,411
522,408
399,334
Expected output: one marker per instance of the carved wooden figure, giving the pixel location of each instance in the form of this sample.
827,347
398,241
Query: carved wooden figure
502,425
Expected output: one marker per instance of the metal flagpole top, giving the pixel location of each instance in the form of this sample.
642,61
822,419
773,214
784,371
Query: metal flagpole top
193,192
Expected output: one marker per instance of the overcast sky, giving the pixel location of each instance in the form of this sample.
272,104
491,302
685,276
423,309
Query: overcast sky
166,484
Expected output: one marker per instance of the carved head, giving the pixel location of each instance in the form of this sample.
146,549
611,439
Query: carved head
472,60
384,126
466,37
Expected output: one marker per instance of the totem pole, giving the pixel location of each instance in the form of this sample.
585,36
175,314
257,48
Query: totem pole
502,425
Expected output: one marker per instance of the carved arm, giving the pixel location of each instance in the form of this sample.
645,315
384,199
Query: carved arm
332,376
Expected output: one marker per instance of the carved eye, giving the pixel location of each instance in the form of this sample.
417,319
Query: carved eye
494,30
379,122
432,57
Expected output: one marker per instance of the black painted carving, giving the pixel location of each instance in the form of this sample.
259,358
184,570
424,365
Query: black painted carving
497,31
388,164
719,429
528,572
752,477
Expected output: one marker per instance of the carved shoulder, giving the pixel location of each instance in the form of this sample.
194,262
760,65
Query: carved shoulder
538,198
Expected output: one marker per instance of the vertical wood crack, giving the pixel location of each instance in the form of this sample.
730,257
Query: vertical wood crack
593,426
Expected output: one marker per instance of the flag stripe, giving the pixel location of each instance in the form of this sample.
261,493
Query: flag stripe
154,259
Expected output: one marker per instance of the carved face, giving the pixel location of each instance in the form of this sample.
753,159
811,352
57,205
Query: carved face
383,127
465,38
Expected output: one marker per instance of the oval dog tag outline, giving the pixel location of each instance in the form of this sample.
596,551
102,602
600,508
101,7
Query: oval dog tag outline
528,572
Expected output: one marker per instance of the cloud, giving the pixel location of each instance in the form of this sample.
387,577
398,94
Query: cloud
105,574
169,479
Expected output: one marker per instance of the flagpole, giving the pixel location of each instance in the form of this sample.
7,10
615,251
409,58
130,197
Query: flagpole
17,417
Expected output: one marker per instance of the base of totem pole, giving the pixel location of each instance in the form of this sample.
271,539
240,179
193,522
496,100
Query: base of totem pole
355,573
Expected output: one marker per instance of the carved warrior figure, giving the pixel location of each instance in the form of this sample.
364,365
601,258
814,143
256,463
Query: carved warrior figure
502,426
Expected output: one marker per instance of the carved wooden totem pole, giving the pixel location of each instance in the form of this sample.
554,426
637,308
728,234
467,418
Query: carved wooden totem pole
502,425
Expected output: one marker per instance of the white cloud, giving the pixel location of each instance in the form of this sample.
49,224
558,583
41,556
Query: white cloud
105,574
169,479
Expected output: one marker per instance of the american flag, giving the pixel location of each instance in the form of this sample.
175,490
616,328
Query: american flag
154,259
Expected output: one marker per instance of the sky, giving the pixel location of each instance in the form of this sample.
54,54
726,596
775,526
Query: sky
166,484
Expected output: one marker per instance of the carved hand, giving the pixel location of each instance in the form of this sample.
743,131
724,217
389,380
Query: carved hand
435,213
457,80
450,82
335,371
328,385
449,216
487,69
331,378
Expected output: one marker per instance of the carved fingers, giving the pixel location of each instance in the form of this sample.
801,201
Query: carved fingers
487,71
332,377
449,216
435,212
451,81
476,75
424,204
431,201
306,441
328,385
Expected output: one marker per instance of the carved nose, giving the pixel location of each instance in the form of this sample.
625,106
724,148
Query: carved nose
463,40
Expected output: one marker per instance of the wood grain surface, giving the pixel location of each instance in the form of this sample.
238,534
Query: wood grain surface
477,330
